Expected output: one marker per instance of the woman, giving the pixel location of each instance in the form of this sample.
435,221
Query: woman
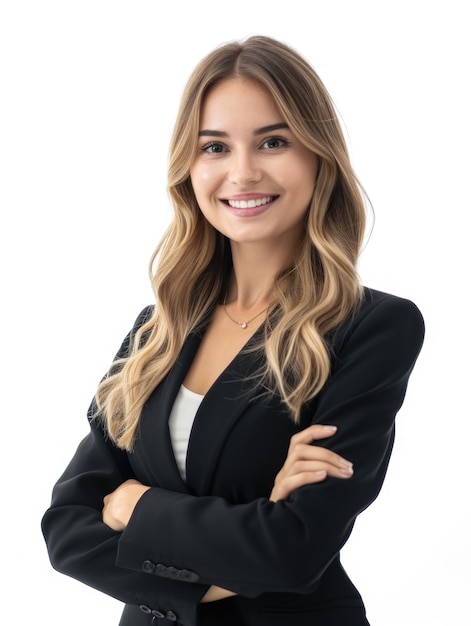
249,415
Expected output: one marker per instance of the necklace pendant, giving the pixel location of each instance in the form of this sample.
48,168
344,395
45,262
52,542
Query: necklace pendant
244,325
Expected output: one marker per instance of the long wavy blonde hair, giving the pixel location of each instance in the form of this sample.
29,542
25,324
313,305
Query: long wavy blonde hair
191,265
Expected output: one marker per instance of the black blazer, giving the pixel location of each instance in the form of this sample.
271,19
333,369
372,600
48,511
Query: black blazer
282,559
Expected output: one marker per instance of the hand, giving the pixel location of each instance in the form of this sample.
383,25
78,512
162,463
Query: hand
119,505
307,464
215,593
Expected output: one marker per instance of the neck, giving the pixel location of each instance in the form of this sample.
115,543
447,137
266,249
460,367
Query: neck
254,270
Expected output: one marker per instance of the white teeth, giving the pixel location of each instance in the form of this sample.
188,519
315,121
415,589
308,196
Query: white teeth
249,204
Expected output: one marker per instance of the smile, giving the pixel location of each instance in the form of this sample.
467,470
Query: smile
250,204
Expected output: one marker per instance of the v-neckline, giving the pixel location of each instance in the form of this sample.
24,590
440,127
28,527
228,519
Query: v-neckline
245,347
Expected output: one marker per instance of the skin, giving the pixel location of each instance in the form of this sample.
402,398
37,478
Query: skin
248,156
239,158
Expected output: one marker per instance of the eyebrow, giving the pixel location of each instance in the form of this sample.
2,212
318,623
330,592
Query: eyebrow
257,131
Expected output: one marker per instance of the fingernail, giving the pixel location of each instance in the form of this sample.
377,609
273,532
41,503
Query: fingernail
331,428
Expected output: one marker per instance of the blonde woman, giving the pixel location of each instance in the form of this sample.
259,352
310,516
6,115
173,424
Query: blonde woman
249,415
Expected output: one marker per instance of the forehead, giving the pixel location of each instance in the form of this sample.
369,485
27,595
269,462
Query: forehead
238,102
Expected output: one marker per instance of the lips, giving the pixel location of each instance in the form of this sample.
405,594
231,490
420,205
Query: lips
250,204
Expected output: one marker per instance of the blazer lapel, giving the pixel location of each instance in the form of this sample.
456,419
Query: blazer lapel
153,450
220,409
153,457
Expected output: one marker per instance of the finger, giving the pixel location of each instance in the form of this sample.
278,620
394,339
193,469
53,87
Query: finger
317,453
282,489
301,467
285,487
312,433
309,467
308,452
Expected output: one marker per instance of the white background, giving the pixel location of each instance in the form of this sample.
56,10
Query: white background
89,92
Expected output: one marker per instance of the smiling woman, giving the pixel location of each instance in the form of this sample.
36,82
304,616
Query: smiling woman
248,417
250,184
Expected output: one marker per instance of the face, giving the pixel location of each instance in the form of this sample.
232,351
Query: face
252,178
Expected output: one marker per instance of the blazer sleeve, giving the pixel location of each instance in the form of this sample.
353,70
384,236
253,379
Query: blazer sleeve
83,547
286,546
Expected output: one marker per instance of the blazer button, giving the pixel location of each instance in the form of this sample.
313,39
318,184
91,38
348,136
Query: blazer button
158,614
170,615
161,570
190,577
148,567
145,609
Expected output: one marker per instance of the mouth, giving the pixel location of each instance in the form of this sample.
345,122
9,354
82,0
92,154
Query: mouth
253,203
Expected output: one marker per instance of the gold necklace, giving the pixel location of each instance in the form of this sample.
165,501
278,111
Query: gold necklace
247,322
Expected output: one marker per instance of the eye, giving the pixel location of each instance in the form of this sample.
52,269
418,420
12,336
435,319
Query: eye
273,143
213,148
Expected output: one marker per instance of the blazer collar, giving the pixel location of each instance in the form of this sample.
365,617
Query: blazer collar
221,407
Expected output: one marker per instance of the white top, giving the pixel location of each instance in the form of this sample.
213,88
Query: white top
180,423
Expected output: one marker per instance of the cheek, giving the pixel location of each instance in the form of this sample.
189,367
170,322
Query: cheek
299,179
307,174
204,179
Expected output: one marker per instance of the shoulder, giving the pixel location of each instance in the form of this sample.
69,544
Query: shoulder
126,345
144,316
384,320
388,307
142,319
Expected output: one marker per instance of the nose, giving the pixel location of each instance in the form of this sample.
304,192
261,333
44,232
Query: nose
244,168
